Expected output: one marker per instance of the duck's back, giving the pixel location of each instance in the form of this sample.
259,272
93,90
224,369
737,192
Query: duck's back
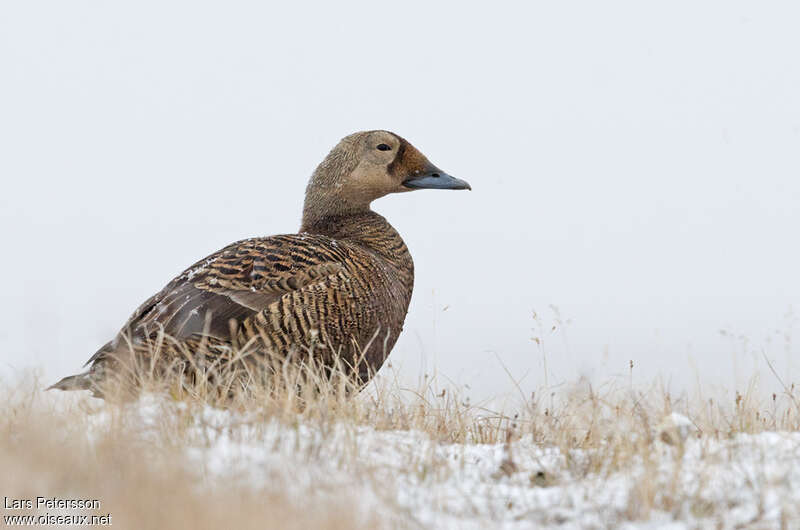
344,289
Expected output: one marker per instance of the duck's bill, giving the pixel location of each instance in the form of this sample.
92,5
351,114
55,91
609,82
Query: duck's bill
436,180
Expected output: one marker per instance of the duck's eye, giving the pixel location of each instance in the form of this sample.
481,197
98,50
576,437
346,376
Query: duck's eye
383,147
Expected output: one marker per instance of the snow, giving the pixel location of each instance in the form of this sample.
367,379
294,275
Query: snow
675,429
703,482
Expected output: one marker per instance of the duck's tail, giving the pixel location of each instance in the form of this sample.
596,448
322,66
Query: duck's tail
75,382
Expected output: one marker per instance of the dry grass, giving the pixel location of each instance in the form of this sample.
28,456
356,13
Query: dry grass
46,449
49,444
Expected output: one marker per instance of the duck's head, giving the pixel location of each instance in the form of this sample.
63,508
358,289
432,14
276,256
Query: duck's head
366,166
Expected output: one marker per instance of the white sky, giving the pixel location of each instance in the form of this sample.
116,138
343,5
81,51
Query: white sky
635,165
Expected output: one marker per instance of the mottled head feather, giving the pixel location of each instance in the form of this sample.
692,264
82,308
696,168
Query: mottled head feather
355,173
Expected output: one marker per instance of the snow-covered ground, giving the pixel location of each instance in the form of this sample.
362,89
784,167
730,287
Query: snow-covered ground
414,481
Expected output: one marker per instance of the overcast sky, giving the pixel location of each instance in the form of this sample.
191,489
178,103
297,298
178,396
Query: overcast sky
636,166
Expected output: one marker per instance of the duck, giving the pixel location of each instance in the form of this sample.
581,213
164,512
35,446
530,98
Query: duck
338,290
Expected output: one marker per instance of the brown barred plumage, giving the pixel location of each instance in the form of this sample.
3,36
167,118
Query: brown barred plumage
343,284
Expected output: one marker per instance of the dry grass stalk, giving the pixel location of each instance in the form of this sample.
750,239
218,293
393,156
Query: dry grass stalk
45,448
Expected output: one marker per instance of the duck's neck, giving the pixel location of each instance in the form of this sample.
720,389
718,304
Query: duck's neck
324,211
367,229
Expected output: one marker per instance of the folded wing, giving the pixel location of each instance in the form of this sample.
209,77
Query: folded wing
215,295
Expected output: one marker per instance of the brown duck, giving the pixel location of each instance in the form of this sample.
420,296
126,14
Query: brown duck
340,288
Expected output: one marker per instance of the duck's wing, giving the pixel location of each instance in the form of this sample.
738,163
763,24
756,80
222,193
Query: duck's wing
218,293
